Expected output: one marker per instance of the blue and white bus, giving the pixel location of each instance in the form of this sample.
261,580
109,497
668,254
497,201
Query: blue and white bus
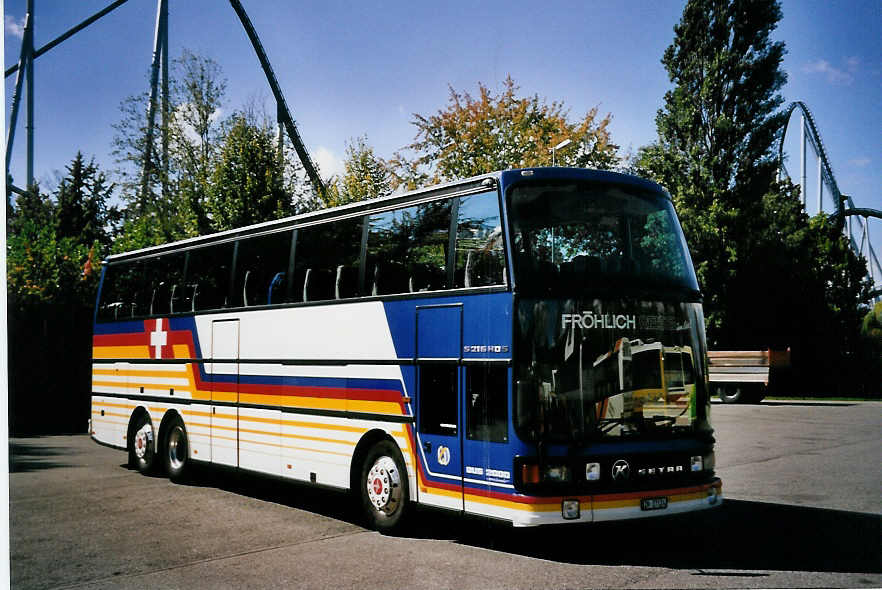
494,346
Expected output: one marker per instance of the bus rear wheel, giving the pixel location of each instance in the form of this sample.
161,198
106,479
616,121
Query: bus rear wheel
177,451
384,487
142,448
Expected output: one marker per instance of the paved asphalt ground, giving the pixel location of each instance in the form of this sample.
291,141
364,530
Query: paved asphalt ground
803,509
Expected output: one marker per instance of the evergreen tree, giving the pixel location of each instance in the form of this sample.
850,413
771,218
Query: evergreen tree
247,185
770,275
365,176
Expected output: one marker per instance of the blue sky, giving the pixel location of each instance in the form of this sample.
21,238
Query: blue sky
350,69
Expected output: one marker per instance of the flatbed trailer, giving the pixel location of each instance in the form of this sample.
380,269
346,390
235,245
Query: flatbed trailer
739,376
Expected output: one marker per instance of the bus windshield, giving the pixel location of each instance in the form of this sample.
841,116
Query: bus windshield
567,235
609,328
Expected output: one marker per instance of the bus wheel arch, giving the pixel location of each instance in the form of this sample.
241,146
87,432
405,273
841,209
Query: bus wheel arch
379,481
141,441
174,446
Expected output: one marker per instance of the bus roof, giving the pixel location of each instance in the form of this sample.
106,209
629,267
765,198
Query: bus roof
505,178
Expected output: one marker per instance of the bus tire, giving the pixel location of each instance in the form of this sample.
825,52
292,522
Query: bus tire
383,487
141,444
732,393
176,450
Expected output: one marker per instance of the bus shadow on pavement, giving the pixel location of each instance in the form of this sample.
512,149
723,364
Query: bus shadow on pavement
25,456
741,536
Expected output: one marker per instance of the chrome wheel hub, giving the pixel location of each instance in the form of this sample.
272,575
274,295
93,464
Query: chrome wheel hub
144,441
384,485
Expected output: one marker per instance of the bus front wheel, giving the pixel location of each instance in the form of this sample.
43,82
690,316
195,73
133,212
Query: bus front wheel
384,487
177,451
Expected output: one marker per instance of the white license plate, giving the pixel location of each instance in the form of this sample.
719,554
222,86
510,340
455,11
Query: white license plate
653,503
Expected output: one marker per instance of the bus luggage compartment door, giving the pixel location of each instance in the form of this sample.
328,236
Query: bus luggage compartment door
224,374
439,430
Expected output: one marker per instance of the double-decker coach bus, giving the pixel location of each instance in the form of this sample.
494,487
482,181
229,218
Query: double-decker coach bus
438,347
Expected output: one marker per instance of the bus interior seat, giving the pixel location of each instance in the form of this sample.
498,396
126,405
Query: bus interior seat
425,277
346,282
277,288
318,285
391,278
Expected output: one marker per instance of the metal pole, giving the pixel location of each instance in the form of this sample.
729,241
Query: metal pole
29,67
802,158
820,185
151,106
16,94
68,34
282,106
165,105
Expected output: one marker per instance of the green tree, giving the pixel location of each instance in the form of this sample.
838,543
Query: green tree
195,135
474,135
770,275
365,176
716,132
247,185
54,247
194,131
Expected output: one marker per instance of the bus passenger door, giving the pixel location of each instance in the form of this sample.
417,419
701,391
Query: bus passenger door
439,424
224,375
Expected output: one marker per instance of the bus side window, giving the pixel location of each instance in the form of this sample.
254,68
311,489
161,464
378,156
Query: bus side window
407,249
165,273
326,263
487,403
261,265
480,261
208,275
437,401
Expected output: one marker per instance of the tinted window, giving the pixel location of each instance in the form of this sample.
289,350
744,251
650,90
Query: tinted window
487,403
208,276
479,247
438,399
326,262
164,279
262,270
407,249
124,292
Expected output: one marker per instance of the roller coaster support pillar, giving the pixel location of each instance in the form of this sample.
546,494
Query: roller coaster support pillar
29,67
802,141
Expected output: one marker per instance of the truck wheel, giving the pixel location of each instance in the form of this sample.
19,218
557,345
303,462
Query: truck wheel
142,448
384,487
732,393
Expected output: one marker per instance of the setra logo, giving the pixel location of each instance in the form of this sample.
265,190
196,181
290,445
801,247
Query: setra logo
621,470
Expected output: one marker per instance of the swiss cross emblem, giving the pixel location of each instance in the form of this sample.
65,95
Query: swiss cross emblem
159,347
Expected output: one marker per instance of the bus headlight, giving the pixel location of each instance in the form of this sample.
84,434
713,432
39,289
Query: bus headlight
592,471
569,509
557,473
697,463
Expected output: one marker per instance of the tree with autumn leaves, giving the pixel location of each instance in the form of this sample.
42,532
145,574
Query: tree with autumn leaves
476,135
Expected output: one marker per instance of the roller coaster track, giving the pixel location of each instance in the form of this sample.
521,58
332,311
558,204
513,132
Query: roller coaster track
852,218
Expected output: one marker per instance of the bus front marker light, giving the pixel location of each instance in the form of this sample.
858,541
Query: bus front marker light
697,463
592,471
569,509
